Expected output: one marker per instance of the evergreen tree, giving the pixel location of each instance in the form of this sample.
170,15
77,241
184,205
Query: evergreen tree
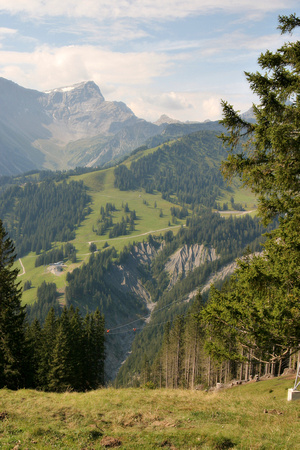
48,340
77,349
270,162
60,372
166,355
176,347
94,350
259,310
35,342
12,319
193,344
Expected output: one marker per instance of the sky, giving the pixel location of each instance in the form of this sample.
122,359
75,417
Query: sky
158,56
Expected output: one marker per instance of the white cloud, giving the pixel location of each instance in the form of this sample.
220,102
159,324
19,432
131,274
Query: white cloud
143,9
47,67
169,101
4,32
238,42
186,106
193,106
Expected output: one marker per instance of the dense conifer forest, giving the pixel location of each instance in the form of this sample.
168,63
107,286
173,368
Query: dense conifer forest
38,214
67,352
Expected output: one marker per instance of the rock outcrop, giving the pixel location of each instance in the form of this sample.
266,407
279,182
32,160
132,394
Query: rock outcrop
187,259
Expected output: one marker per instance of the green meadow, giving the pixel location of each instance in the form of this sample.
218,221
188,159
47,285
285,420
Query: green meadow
153,217
252,416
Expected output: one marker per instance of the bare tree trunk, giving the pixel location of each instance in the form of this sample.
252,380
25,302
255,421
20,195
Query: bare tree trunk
279,368
209,372
194,362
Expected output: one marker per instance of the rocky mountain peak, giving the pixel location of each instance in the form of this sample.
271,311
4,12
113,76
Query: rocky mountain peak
166,119
79,92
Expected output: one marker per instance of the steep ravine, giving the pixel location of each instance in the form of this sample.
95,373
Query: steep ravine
126,278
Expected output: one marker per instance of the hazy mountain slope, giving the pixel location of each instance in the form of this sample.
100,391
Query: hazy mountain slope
73,126
102,149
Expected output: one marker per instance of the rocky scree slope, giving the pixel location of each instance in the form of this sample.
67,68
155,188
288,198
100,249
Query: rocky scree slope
186,259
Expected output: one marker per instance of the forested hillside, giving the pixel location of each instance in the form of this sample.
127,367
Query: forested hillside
184,171
50,215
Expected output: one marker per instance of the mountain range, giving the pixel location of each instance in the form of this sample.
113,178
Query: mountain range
74,126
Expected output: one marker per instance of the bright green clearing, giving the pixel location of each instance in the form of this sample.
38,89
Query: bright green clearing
254,416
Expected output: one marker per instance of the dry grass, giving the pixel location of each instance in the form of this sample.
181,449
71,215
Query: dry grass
254,416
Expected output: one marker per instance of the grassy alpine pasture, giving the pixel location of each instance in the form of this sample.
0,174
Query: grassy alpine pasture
153,216
253,416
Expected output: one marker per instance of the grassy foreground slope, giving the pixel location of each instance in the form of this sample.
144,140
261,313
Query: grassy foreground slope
253,416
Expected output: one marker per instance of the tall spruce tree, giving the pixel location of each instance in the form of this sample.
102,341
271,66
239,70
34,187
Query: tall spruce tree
60,373
48,338
260,309
12,319
270,163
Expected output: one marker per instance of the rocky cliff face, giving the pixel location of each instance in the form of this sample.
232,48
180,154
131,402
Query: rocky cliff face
187,259
80,111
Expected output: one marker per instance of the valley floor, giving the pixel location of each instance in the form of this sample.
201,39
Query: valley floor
252,416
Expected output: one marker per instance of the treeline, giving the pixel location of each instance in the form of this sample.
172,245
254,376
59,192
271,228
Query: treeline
180,213
37,176
183,169
87,284
190,357
181,361
67,251
67,352
105,221
229,236
38,214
